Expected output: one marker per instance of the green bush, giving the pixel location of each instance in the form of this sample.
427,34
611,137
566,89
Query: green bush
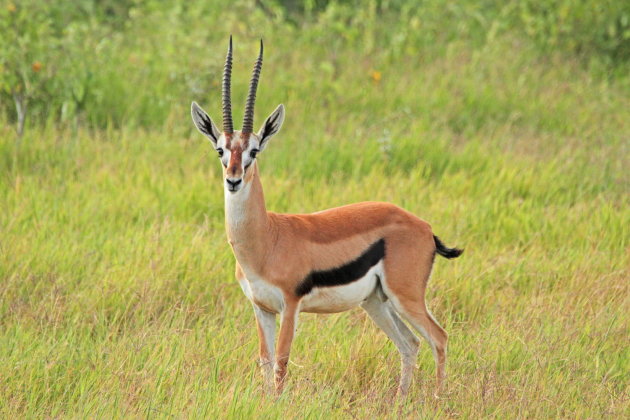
582,26
134,61
27,46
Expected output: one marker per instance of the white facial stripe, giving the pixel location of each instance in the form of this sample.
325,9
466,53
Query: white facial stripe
226,153
247,154
247,160
226,157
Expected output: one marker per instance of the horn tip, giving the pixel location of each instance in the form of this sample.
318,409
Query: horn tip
230,41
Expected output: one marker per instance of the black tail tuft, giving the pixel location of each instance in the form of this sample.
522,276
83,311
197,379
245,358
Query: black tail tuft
444,251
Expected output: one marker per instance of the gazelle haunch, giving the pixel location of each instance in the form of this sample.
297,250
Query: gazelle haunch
374,255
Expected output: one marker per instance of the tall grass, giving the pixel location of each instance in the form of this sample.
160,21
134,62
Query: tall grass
117,293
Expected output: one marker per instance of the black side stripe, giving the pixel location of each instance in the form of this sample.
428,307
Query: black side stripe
345,274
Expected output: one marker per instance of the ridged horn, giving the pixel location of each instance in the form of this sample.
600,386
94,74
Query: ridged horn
228,126
248,118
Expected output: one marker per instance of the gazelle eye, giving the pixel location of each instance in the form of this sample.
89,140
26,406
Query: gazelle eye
253,153
220,152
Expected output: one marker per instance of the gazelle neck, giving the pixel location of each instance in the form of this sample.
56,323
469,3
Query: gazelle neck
246,220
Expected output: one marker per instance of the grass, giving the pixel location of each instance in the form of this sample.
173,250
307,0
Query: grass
117,293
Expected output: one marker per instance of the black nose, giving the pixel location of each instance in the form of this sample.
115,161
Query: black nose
233,184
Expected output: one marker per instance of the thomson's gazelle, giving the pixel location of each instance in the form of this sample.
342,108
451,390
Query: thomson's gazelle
374,255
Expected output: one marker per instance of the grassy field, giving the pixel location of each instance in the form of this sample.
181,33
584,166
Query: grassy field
117,292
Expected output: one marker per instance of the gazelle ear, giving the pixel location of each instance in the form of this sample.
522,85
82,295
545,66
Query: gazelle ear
271,126
204,124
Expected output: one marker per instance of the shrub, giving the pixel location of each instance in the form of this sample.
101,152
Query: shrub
131,61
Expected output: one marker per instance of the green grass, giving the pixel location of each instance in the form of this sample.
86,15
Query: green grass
117,293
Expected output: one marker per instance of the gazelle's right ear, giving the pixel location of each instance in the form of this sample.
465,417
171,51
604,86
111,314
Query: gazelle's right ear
204,124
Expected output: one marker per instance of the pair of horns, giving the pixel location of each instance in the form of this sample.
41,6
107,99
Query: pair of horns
248,118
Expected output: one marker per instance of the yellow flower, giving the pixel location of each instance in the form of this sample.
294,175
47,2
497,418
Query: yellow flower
11,7
37,66
376,76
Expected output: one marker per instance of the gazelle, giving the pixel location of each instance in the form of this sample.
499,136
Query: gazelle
374,255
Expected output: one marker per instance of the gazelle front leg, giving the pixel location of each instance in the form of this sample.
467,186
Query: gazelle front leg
266,323
287,332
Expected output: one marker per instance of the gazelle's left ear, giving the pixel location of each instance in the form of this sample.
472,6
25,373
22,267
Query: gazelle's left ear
204,123
271,126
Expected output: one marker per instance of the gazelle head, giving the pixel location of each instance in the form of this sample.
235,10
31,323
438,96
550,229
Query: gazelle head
238,149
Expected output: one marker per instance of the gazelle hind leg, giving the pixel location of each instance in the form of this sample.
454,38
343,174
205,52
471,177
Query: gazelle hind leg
422,321
407,343
408,267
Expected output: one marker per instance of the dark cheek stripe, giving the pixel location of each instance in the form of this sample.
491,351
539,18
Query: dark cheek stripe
344,274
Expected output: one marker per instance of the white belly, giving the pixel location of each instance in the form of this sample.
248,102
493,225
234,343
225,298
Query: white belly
342,298
320,300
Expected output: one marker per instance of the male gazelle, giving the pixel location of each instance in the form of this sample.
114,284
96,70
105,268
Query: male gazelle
374,255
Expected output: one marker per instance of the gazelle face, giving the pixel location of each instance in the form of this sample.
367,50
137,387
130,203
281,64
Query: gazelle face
237,154
237,151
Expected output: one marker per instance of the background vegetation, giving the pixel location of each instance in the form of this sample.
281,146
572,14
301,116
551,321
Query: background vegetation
504,124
